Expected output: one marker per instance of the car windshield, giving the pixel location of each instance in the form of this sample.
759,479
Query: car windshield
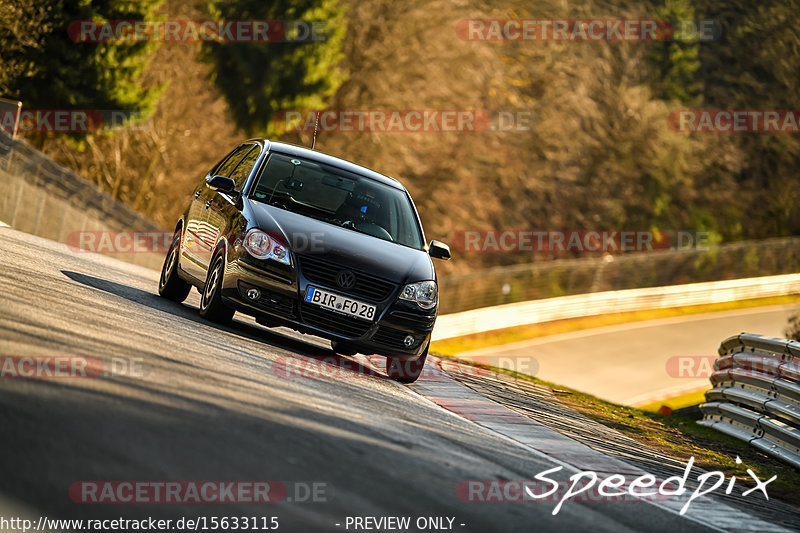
338,197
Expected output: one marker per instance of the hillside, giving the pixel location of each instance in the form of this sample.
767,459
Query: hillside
599,154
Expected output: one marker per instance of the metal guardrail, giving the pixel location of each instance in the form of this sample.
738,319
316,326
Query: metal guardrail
539,280
756,394
598,303
41,197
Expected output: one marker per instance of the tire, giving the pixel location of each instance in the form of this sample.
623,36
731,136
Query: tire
406,370
342,348
211,306
170,285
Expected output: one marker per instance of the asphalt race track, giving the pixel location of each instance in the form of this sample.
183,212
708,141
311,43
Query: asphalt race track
180,399
631,363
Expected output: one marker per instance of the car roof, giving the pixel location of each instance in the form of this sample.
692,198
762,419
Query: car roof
313,155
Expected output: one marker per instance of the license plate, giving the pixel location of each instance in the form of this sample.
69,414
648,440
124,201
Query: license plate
340,304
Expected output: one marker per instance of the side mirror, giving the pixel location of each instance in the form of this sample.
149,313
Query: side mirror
439,250
222,184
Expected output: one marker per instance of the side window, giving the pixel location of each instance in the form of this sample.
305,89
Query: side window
241,172
226,167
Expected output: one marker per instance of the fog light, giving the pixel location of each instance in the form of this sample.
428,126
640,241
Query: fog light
409,341
253,294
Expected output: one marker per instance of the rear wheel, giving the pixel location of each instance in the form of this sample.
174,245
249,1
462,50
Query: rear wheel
170,285
406,370
211,305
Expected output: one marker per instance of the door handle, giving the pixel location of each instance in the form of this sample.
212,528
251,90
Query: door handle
208,204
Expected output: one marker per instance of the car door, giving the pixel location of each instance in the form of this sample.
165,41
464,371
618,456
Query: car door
223,207
199,236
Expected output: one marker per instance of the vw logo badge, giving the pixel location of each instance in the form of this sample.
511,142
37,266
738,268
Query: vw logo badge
346,279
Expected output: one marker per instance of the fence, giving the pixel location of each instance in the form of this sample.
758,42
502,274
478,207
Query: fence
756,394
39,196
536,281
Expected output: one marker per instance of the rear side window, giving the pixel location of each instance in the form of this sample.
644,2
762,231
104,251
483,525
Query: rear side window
226,167
240,173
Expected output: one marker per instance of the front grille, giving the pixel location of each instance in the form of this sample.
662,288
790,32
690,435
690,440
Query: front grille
367,286
394,338
339,324
413,320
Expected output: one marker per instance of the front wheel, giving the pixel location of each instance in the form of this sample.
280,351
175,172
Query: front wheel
170,285
211,304
406,370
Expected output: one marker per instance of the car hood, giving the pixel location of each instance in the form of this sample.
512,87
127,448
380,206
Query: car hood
306,236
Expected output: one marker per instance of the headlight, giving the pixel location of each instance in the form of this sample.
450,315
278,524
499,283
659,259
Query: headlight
262,246
422,292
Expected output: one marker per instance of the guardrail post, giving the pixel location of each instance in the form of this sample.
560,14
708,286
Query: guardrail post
16,204
39,209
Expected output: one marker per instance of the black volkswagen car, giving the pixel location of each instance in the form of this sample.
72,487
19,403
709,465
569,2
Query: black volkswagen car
298,238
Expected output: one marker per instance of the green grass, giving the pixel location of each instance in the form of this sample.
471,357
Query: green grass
677,402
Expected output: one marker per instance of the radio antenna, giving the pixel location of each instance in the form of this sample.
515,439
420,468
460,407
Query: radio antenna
316,129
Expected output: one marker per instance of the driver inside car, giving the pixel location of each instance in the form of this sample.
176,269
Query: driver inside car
362,208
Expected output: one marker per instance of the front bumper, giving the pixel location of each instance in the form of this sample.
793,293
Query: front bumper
281,303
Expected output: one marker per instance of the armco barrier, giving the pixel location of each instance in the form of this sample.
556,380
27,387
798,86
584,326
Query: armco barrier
598,303
39,196
756,394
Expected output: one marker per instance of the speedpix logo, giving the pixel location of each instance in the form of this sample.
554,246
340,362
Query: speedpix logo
588,486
